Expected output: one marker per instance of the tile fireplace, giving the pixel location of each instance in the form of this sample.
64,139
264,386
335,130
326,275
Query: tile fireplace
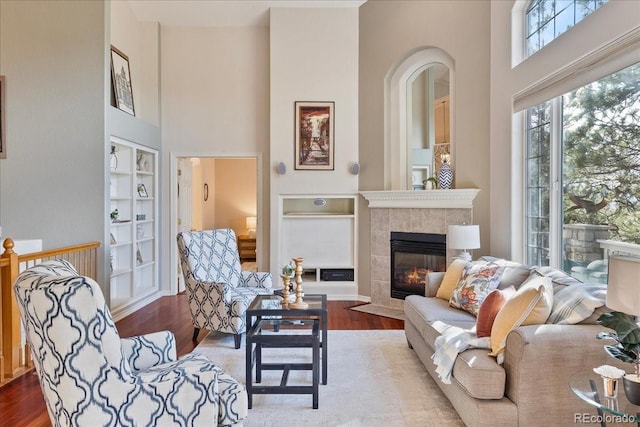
430,211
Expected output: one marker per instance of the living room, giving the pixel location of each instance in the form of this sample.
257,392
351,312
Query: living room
227,91
250,71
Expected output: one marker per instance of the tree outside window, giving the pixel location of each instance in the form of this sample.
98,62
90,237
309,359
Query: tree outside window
599,159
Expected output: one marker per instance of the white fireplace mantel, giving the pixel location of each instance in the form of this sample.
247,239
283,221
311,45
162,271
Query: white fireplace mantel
422,199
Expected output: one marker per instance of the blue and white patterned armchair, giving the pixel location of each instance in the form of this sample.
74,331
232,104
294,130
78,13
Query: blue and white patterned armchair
89,376
219,291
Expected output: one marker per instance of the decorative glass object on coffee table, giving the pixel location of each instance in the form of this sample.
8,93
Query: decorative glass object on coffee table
271,324
589,387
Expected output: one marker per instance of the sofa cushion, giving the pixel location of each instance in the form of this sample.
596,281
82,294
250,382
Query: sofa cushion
421,312
490,308
530,305
451,279
479,374
475,284
420,309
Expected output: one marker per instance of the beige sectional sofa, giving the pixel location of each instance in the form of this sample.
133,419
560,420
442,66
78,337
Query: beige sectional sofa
531,387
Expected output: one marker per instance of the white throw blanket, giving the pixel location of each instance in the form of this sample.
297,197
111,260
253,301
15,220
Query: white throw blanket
452,341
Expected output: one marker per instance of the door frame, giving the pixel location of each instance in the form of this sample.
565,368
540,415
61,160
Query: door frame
173,205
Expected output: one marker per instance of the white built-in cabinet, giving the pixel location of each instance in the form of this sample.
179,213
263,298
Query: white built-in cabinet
133,187
322,229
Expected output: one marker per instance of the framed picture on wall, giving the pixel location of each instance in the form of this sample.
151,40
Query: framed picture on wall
121,81
3,141
314,146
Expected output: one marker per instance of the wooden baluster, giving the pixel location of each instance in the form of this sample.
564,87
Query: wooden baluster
11,347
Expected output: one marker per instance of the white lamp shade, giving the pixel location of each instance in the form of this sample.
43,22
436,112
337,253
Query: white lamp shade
463,237
623,286
251,222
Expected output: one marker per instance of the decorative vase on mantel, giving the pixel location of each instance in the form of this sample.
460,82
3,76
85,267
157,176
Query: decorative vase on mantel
445,176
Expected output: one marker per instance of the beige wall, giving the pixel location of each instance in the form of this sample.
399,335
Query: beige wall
215,103
53,181
235,193
389,32
140,42
314,57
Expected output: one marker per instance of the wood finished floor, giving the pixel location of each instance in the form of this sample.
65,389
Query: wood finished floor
21,401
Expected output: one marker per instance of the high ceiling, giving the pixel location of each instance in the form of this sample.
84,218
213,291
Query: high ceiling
220,13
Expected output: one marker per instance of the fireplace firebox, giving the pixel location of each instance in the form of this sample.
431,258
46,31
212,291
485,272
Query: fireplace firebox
413,255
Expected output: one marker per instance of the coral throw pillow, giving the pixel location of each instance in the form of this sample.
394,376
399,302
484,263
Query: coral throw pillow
450,279
490,308
475,284
530,305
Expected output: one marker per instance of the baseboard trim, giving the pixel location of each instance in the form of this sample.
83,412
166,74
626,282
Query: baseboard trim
125,310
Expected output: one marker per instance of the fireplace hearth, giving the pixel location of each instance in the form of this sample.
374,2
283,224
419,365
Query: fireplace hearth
413,256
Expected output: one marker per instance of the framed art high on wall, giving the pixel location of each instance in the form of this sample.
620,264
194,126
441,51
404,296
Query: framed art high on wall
121,81
314,146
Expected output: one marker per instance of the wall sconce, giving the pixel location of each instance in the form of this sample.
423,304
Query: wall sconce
355,168
281,168
251,224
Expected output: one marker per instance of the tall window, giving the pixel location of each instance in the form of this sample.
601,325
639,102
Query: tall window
547,19
583,175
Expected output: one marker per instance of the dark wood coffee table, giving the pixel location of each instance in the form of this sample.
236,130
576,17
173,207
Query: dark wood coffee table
296,328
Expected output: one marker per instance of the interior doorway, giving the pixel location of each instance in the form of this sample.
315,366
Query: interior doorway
218,192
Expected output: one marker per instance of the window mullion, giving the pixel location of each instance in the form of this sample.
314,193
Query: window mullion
555,193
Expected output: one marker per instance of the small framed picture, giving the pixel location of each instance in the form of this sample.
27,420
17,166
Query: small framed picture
142,191
121,81
314,148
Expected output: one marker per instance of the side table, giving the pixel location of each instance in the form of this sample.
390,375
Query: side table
246,248
305,328
588,386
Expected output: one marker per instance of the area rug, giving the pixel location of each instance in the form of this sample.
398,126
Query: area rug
374,379
380,310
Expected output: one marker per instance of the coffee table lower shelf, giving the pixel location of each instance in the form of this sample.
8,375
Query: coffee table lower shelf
256,342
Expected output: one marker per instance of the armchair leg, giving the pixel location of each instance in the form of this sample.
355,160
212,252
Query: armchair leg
196,331
237,339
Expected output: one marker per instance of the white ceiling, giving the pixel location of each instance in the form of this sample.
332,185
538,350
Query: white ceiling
220,13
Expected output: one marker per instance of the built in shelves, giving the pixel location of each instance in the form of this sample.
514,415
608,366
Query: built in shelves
322,229
133,227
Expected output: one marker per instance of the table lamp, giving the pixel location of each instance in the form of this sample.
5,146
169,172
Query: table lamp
623,285
463,237
251,223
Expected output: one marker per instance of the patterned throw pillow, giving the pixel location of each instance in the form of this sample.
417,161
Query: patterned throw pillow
477,281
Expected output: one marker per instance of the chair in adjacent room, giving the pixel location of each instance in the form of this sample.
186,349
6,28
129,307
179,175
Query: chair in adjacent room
219,291
90,376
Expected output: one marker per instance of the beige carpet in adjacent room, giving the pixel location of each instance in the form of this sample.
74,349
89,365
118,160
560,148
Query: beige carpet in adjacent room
374,379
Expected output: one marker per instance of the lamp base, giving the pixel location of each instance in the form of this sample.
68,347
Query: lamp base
465,256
